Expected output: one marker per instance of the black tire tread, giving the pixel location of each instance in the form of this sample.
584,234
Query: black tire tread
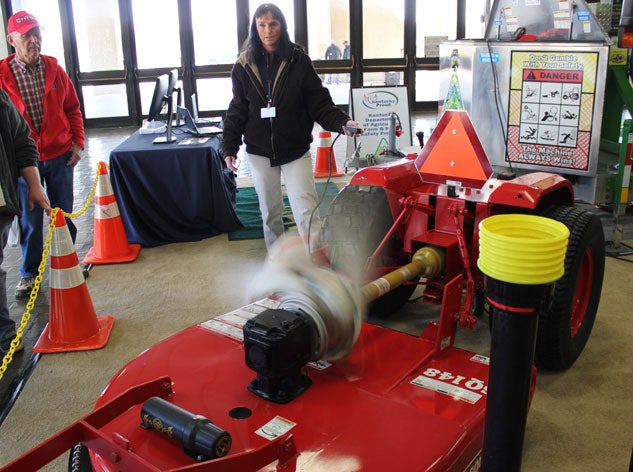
555,348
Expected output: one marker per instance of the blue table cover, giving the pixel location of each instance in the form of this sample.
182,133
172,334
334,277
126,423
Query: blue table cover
172,192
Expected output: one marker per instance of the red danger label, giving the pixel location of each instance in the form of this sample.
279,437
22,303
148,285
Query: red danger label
540,75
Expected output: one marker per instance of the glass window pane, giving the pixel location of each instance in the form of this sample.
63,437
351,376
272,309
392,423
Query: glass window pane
287,8
427,85
339,91
383,29
217,44
327,21
435,22
156,32
102,101
383,78
47,14
147,91
98,31
475,19
214,94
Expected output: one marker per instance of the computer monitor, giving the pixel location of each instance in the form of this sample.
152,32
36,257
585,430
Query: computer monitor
173,82
163,92
161,89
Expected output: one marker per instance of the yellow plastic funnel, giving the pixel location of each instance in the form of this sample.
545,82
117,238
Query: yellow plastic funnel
522,249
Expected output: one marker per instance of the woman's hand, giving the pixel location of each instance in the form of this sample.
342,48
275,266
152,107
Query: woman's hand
231,163
352,128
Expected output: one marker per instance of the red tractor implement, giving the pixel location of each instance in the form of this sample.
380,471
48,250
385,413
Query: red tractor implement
302,380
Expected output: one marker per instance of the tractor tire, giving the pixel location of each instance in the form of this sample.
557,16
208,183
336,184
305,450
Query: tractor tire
566,324
79,459
357,221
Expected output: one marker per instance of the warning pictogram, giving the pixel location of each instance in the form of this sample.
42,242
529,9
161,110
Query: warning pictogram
549,124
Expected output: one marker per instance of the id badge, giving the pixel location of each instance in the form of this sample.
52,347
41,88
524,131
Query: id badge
268,112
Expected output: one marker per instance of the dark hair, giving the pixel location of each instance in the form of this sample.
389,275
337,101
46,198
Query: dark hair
253,44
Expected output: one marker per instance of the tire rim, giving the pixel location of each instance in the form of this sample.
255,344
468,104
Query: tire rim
582,294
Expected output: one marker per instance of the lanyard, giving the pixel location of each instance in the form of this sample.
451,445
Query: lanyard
269,92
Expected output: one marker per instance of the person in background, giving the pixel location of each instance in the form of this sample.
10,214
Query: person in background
332,53
18,157
44,94
347,55
277,98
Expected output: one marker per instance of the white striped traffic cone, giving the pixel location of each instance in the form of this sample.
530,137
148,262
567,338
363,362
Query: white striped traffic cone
73,324
110,241
325,165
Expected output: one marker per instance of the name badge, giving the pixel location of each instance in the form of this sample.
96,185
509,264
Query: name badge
268,112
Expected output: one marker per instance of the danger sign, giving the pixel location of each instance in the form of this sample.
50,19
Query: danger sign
552,76
551,103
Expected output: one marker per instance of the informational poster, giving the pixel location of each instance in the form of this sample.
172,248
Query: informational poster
373,107
552,97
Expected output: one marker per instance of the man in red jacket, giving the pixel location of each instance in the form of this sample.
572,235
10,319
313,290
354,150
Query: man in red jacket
42,91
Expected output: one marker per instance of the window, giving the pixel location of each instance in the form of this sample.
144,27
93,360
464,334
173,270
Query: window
214,32
102,101
98,31
435,22
427,85
122,45
214,94
475,19
383,29
156,32
322,32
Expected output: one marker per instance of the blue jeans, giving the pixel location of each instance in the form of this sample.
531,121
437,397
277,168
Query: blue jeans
57,177
7,325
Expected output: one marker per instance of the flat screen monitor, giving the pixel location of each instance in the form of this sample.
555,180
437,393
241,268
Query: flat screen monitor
161,92
173,82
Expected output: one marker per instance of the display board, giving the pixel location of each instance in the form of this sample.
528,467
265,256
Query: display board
372,108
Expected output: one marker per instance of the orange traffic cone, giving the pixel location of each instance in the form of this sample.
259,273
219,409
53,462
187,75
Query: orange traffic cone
73,324
325,165
110,241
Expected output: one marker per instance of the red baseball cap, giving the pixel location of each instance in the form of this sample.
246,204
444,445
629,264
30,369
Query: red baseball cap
22,22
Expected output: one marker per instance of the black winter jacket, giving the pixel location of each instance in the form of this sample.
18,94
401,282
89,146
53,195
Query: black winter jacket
17,150
300,100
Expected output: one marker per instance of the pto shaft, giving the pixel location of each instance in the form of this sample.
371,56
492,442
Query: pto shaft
426,262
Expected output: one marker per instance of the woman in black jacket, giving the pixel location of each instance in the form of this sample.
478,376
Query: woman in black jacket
277,98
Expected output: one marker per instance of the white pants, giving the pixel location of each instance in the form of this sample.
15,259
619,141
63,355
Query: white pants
302,195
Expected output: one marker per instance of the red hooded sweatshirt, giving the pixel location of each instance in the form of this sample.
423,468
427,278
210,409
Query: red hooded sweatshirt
62,125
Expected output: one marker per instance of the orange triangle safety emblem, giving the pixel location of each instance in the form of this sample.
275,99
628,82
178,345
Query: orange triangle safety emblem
454,155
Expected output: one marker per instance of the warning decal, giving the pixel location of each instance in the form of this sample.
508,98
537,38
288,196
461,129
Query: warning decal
551,108
231,324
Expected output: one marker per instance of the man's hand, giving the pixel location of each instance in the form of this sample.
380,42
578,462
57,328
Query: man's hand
75,156
37,194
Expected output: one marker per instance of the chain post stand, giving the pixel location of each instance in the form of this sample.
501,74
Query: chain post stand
26,316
